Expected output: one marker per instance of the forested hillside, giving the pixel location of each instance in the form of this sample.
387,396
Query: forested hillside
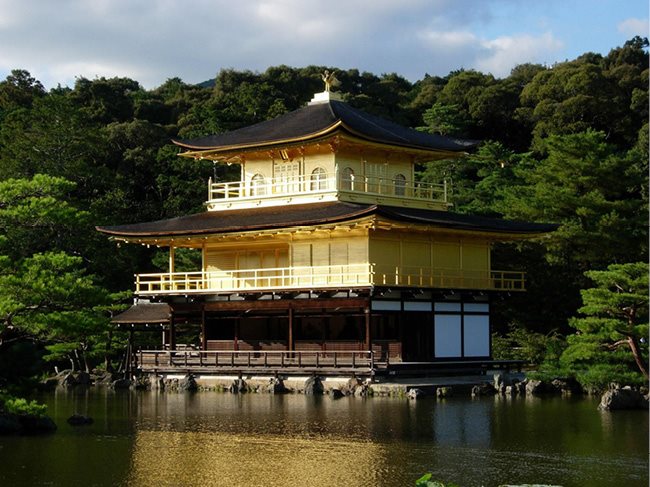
566,144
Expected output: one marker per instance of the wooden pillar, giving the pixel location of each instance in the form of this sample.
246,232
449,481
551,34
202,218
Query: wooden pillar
172,333
406,347
366,312
172,259
236,337
129,354
204,340
290,341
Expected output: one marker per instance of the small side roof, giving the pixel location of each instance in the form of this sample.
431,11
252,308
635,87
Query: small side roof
144,314
322,119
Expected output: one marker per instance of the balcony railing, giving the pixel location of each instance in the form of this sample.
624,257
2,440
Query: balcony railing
314,184
358,360
324,277
448,279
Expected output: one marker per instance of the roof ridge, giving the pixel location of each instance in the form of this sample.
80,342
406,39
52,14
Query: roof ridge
332,111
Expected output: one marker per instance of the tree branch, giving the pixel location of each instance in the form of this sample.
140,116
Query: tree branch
617,344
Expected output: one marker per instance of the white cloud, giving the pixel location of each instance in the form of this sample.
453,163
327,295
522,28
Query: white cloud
497,56
449,39
633,27
152,40
504,53
91,69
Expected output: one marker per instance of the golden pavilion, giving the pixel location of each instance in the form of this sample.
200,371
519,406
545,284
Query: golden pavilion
326,253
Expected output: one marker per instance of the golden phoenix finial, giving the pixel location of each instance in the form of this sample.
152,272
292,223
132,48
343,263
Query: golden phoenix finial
330,80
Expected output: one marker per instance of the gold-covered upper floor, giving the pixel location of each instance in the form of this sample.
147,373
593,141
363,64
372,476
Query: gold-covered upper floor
328,246
321,186
326,151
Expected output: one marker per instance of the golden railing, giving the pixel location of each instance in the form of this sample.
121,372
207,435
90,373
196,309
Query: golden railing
324,183
324,277
449,279
255,279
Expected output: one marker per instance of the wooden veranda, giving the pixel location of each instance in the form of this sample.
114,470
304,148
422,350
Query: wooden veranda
337,363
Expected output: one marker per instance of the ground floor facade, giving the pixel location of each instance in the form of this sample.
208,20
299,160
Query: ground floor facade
396,326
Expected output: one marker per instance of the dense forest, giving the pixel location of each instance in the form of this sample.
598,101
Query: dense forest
566,144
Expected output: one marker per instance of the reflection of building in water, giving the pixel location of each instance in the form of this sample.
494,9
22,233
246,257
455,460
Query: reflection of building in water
214,459
290,415
463,423
297,440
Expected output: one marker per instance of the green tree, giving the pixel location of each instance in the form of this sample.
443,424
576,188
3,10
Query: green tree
594,192
425,92
167,103
46,295
19,90
53,137
106,100
131,157
463,87
591,92
35,217
493,112
586,185
626,68
445,120
616,320
50,299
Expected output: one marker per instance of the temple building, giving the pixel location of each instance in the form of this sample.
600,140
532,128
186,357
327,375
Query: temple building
327,250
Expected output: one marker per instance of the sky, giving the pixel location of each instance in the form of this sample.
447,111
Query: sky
151,41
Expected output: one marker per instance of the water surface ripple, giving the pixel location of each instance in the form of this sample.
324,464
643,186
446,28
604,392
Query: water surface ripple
168,439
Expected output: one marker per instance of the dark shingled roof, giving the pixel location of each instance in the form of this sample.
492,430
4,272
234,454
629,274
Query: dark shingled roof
320,119
211,222
144,313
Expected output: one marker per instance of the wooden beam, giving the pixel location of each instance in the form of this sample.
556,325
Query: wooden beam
285,304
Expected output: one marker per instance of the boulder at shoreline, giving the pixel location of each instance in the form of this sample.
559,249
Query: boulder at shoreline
622,398
25,424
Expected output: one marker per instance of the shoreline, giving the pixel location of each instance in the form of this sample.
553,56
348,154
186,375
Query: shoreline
492,383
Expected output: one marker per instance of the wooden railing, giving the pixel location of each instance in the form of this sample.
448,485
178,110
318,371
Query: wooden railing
252,360
384,350
325,277
324,183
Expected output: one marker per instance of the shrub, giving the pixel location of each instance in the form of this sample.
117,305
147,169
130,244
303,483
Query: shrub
599,376
529,346
23,407
425,481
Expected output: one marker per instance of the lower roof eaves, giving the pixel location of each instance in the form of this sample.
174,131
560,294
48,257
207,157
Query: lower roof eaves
269,218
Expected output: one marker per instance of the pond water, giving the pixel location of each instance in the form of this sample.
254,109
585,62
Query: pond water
207,438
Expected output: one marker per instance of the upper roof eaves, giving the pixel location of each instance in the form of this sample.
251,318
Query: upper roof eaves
319,119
